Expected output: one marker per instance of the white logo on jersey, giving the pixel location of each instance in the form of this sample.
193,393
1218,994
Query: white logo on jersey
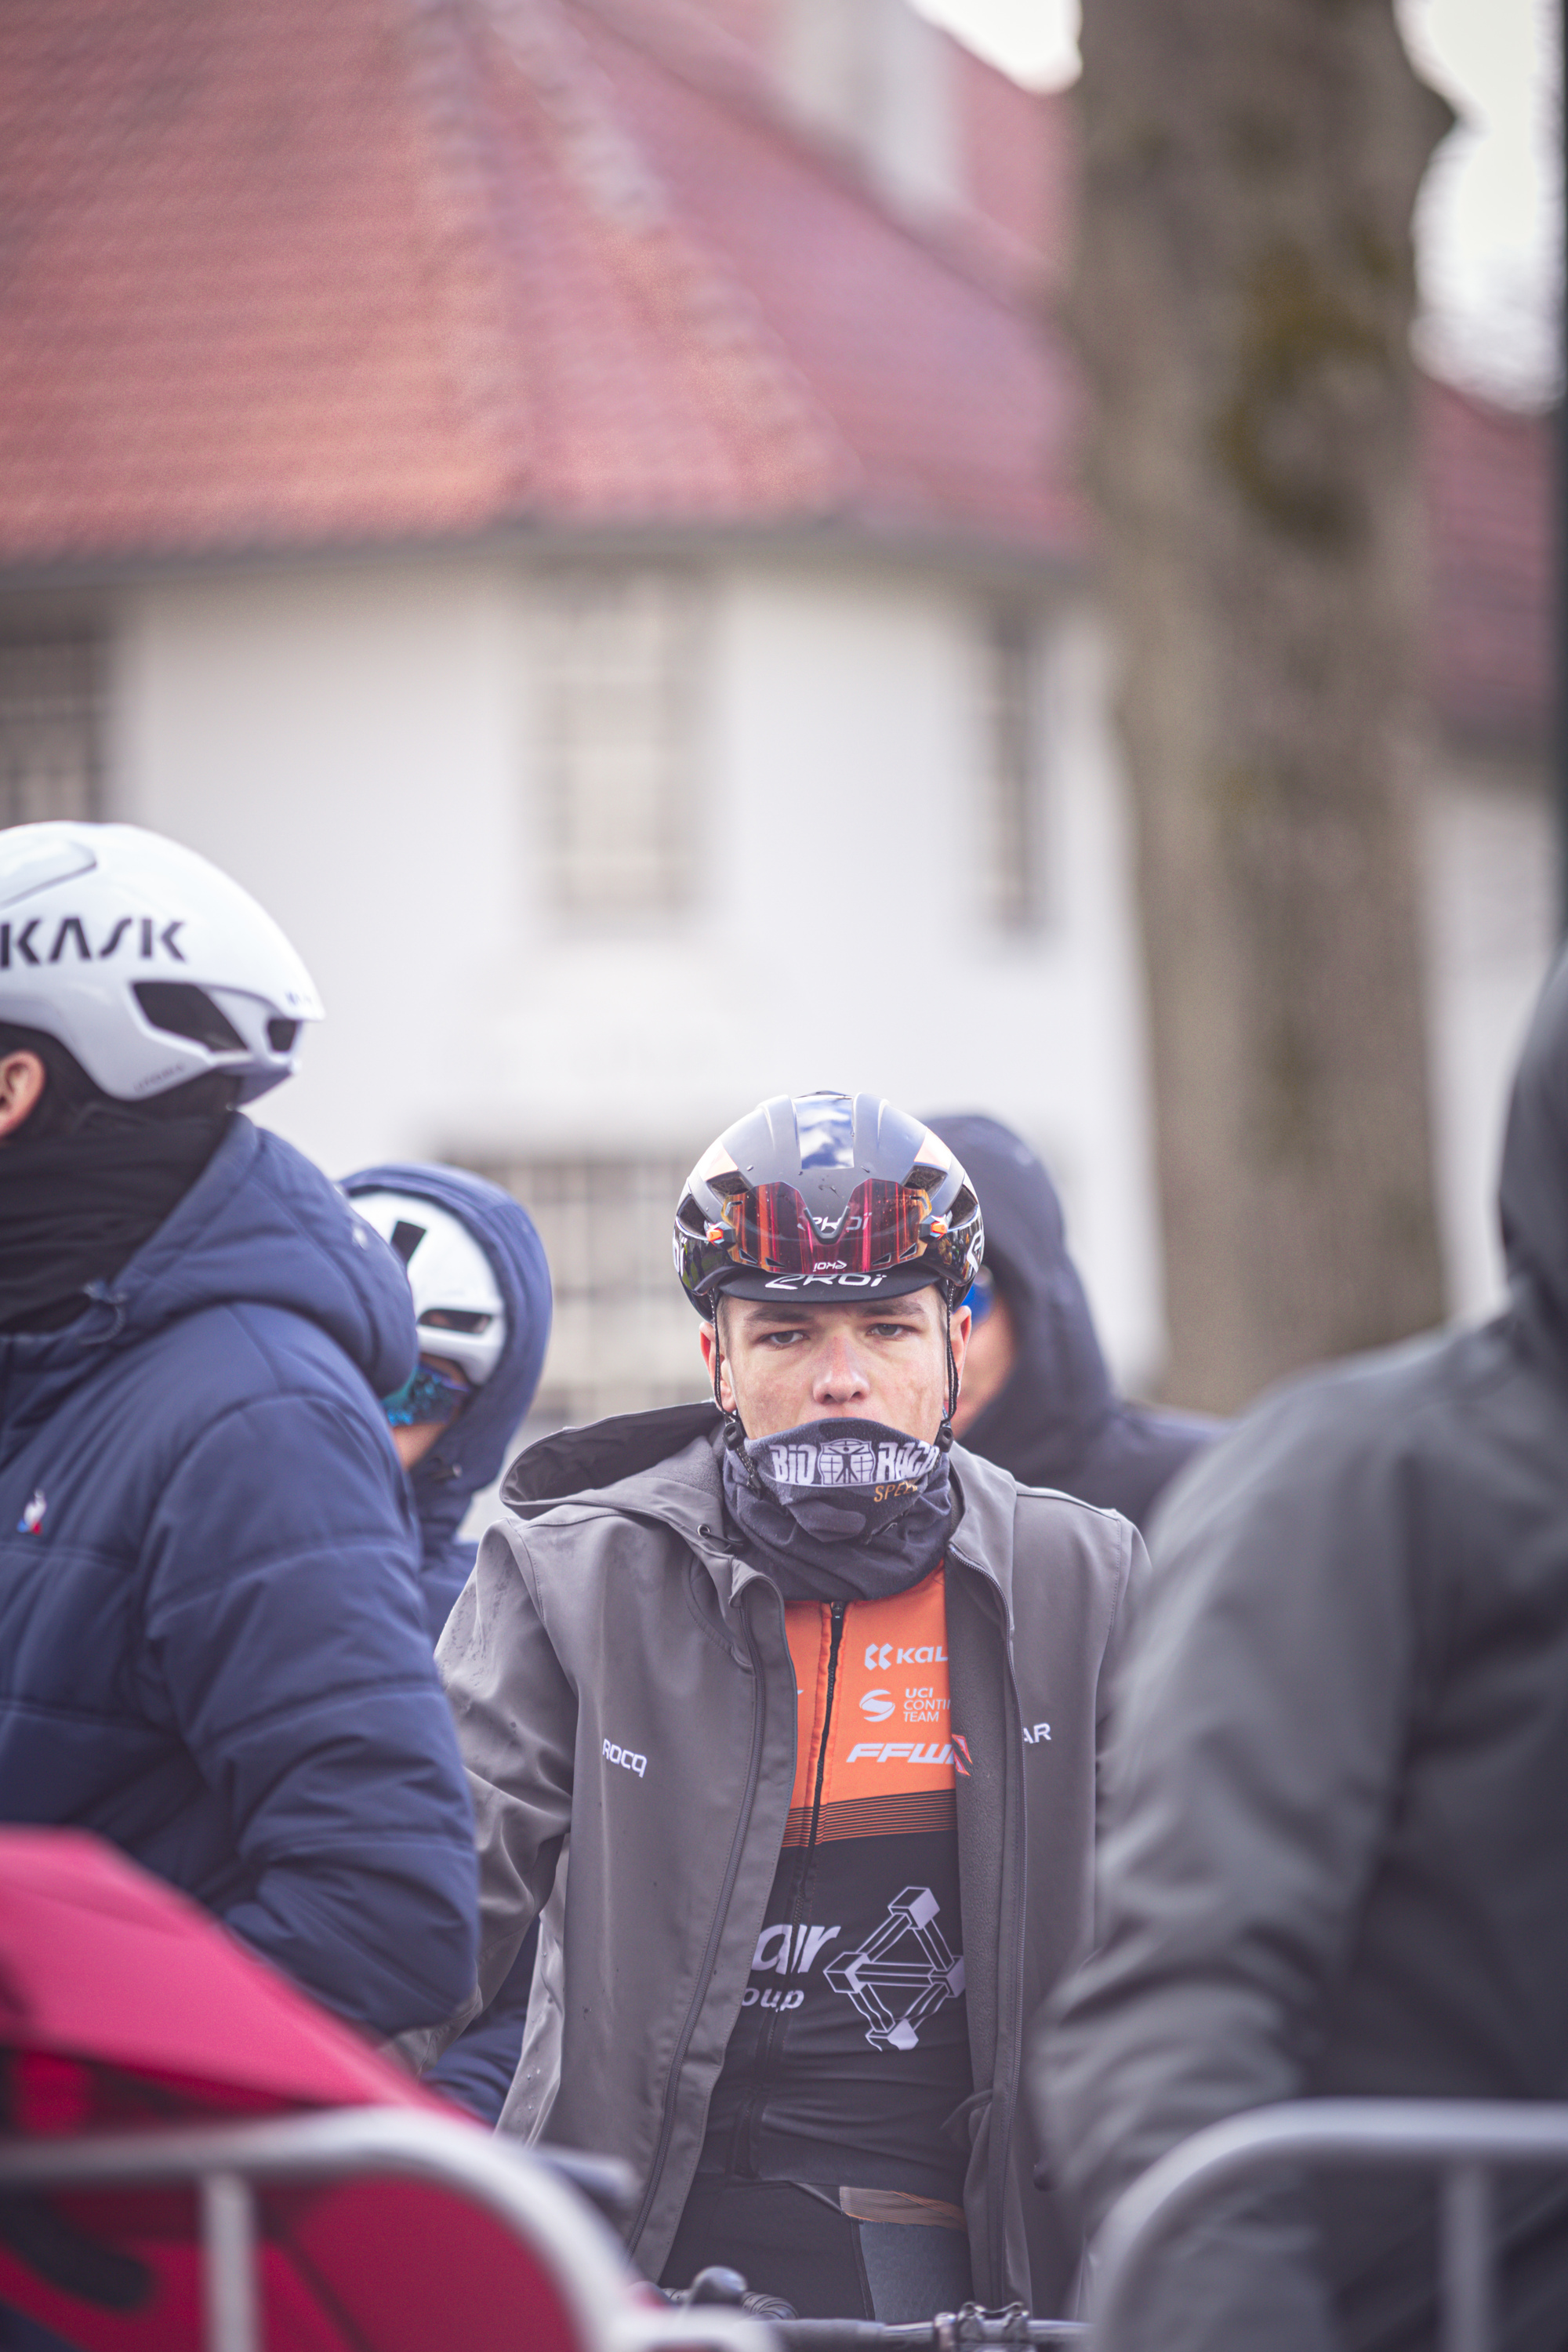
881,1655
876,1706
879,1975
892,1751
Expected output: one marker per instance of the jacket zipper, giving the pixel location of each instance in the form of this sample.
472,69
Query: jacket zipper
770,2033
710,1956
1009,1957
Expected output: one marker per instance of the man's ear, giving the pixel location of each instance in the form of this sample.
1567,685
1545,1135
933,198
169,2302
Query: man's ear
962,1323
22,1078
712,1348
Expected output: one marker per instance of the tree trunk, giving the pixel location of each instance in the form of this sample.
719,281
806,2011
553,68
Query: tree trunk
1244,298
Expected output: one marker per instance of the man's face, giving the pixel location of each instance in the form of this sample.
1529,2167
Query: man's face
785,1364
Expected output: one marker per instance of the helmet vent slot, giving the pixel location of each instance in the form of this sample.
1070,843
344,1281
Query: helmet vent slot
184,1010
407,1237
281,1036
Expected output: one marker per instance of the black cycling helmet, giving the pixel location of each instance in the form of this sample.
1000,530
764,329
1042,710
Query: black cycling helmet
827,1197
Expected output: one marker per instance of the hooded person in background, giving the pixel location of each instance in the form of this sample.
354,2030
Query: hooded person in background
211,1648
482,1305
1038,1400
481,1293
1333,1863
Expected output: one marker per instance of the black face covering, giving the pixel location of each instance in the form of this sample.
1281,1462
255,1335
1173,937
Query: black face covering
840,1509
77,1206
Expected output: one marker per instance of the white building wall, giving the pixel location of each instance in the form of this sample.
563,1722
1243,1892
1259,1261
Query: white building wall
347,745
359,747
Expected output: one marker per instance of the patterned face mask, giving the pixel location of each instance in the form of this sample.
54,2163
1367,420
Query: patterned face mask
840,1508
425,1395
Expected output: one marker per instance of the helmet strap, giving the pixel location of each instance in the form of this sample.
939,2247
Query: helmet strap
944,1435
734,1433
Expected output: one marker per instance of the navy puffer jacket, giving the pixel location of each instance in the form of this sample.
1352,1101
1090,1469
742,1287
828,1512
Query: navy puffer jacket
477,2070
212,1646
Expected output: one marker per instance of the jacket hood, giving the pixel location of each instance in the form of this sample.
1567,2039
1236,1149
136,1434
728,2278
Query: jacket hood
595,1462
1060,1394
665,1465
1058,1422
1533,1196
470,1453
261,1226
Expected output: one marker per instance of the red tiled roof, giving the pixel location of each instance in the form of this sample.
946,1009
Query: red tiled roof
281,273
1488,476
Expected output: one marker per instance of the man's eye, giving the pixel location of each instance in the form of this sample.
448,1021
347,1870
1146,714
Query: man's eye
779,1338
890,1330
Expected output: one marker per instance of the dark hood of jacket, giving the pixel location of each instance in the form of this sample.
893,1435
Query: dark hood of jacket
469,1454
1060,1420
261,1226
1531,1197
602,1453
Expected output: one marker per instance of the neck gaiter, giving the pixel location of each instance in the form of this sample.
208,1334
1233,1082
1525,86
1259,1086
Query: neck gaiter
75,1208
840,1509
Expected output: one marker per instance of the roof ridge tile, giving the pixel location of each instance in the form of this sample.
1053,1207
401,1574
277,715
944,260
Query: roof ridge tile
470,288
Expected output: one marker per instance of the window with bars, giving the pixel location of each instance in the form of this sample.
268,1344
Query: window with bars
1013,811
620,710
51,725
624,1339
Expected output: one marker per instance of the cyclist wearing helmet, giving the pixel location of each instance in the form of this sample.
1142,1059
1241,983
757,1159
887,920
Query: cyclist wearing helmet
213,1649
482,1307
476,1270
814,1698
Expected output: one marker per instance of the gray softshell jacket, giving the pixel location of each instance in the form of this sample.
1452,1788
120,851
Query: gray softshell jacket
1335,1848
621,1680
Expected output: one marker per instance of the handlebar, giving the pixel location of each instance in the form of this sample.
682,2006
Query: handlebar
968,2329
949,2331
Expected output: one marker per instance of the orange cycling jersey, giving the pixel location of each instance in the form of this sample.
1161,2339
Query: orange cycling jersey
851,2049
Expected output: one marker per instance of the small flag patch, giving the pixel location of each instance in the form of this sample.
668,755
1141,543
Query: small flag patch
32,1518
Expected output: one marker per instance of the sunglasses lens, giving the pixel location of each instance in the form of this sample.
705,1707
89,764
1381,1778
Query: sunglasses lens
425,1395
980,1297
880,1227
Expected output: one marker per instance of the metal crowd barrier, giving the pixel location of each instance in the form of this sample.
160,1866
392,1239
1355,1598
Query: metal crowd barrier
1463,2141
523,2191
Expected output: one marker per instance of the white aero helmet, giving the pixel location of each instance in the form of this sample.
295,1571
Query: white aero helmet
145,961
457,1304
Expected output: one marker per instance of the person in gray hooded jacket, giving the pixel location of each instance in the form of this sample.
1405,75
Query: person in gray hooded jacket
1334,1863
824,1762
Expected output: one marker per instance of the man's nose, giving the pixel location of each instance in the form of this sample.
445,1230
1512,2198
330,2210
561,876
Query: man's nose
839,1377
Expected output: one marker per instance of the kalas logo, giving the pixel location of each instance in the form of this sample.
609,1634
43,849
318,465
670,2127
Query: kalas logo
878,1705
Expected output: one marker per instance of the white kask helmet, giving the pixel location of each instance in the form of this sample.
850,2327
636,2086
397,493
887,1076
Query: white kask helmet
457,1305
145,961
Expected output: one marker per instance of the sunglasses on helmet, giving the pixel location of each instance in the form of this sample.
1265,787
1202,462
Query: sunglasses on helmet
880,1227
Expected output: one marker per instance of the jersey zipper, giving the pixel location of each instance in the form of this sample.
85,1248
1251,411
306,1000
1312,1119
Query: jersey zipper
748,2121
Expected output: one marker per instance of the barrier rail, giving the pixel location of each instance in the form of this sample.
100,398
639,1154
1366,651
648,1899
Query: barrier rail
1464,2140
223,2163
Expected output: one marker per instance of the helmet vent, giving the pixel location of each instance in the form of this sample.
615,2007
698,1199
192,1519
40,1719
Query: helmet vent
184,1010
281,1036
407,1237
